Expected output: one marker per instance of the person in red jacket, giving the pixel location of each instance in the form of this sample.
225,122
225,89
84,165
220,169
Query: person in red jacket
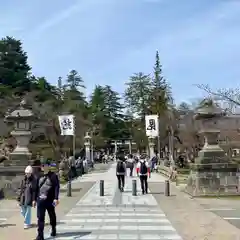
143,171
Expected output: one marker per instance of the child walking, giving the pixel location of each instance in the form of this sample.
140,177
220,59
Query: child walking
26,196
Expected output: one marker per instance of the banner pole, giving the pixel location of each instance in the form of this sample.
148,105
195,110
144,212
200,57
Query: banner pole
74,145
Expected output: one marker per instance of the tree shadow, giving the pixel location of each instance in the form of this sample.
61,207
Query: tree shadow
74,235
7,225
155,193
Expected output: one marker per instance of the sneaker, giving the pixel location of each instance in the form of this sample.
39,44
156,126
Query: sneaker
27,226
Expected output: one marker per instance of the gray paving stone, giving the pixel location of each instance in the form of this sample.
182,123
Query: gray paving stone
128,217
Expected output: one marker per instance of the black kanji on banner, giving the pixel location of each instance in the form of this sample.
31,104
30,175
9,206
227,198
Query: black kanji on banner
66,124
151,124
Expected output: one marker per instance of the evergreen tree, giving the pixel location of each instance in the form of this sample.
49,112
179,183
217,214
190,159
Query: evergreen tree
14,68
137,94
112,103
161,98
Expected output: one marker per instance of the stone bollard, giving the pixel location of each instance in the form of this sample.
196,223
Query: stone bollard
69,188
167,188
134,187
101,186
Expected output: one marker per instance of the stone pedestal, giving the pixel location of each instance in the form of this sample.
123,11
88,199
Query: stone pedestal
87,145
213,173
214,179
87,151
21,155
151,147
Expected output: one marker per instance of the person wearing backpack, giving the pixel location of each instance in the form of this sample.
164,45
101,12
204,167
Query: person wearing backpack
121,173
143,171
47,193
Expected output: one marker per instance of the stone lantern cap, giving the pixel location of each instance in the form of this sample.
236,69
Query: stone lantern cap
87,136
207,110
20,113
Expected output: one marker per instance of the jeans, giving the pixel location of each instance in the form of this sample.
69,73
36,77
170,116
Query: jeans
42,206
26,212
144,183
131,166
121,181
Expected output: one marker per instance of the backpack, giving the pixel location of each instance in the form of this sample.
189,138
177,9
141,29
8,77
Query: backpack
120,167
143,168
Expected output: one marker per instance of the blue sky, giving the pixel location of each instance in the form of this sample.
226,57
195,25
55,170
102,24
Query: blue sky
109,40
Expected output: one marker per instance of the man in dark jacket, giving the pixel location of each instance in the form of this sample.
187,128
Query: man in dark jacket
47,194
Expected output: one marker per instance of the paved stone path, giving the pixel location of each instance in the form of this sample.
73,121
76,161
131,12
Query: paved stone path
7,209
116,215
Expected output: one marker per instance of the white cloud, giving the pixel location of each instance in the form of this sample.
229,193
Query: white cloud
59,17
81,7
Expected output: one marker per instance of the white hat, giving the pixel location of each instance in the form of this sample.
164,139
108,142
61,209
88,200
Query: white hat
28,169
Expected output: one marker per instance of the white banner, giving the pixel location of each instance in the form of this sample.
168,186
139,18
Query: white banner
67,125
151,124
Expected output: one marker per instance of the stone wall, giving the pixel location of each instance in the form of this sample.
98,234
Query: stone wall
213,179
10,178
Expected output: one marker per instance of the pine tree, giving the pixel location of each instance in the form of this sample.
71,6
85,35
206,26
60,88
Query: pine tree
160,90
137,94
14,68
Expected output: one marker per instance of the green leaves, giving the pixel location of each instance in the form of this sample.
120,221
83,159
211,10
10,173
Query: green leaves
107,117
104,114
14,68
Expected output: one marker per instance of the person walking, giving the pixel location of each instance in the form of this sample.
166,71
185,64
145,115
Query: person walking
26,197
143,171
121,172
47,193
130,163
154,162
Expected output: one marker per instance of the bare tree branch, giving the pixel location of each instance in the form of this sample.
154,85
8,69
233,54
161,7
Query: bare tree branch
231,96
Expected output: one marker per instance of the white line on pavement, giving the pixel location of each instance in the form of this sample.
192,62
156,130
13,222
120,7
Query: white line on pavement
114,215
100,220
219,209
231,218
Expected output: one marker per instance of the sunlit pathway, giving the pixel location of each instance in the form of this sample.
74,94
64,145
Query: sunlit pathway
116,215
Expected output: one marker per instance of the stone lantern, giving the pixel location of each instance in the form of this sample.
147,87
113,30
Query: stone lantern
151,146
87,144
212,173
21,118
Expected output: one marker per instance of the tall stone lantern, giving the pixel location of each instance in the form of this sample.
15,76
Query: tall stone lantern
87,144
151,146
212,173
21,118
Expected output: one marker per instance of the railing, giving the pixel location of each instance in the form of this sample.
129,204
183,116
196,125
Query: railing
180,177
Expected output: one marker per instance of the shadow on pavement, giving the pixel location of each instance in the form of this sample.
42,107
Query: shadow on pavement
75,235
34,225
7,225
162,193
